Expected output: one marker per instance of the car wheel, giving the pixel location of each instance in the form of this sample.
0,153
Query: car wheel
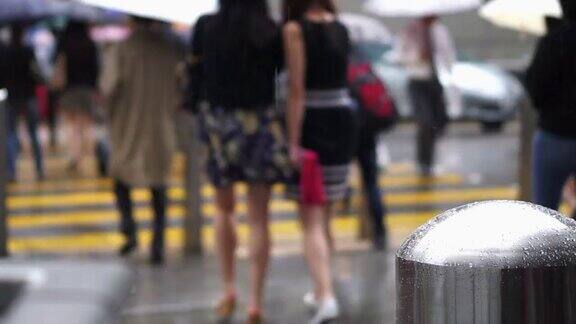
492,127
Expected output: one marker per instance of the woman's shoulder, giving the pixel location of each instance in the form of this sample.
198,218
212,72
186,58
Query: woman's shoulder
292,29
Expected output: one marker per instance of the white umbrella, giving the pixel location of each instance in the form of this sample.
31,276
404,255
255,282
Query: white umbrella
364,29
526,16
418,8
174,11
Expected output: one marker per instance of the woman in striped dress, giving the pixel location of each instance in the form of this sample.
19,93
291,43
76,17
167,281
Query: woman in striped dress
320,118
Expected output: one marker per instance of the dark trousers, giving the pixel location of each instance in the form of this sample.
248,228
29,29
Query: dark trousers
554,162
53,117
29,109
366,154
430,113
128,225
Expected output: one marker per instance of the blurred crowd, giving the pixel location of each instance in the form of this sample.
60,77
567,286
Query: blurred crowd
119,89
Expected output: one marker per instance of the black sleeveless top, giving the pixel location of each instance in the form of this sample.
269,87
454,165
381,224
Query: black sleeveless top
328,49
236,75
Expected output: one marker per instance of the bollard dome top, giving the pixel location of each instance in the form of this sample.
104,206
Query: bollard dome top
502,234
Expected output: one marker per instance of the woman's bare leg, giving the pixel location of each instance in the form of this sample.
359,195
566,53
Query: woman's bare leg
226,240
85,136
74,140
258,216
330,212
317,250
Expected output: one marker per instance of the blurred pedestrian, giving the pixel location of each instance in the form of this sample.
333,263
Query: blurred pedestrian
141,96
376,114
569,195
427,50
235,57
550,82
23,75
76,74
321,121
53,94
3,65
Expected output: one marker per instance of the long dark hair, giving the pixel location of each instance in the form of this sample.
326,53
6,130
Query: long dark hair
248,22
568,9
79,49
17,34
75,39
296,9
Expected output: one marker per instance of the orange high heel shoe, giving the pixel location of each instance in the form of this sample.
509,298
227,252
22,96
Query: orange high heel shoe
255,317
226,307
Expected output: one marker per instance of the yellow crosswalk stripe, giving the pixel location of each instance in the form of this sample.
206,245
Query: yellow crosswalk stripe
452,196
71,219
393,199
141,215
391,180
77,218
73,184
282,231
108,241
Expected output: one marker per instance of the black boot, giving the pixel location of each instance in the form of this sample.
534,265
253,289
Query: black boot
156,255
159,203
129,247
380,242
102,156
127,223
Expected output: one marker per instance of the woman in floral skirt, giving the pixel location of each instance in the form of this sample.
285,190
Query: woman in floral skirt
236,54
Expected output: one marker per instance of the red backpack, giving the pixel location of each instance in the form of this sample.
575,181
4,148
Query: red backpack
377,108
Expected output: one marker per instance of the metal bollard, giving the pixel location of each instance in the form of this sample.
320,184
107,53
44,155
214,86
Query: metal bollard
193,221
3,175
499,262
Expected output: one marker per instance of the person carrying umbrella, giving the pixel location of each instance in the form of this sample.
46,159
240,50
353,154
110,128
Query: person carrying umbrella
75,75
140,88
550,83
426,47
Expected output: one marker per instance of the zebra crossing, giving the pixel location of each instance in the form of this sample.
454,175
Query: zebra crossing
78,215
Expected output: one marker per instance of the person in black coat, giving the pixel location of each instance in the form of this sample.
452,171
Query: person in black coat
551,84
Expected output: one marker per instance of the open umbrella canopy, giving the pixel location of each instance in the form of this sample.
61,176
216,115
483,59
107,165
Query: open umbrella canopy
30,10
173,11
364,29
521,15
418,8
15,10
79,11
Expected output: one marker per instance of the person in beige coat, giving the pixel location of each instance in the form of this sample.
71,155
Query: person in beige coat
140,87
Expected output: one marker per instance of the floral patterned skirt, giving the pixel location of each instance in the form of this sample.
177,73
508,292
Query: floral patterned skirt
244,145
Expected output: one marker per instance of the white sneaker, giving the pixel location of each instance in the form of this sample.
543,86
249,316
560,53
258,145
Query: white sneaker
309,300
328,310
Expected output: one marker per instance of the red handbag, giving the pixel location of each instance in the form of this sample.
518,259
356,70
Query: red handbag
311,181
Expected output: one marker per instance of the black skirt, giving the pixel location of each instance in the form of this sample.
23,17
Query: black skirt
330,132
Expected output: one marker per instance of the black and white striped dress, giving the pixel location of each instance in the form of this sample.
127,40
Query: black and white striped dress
329,126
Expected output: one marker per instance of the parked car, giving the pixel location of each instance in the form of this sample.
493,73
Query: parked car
490,94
